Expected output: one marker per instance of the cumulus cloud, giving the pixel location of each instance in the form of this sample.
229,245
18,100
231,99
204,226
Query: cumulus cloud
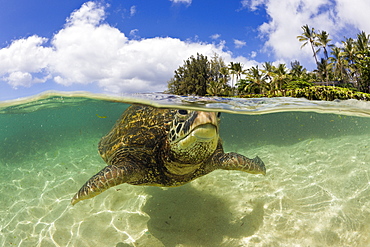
24,61
90,13
239,43
87,50
354,13
287,17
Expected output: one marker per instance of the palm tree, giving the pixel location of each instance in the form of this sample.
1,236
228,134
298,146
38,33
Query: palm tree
257,79
216,88
362,44
349,50
298,72
268,69
309,36
363,62
233,73
225,77
280,76
349,54
323,41
236,69
224,72
339,64
324,70
239,70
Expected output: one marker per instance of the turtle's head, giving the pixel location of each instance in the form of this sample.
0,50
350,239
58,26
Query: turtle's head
193,135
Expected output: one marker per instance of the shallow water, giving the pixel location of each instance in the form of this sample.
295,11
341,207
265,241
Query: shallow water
316,191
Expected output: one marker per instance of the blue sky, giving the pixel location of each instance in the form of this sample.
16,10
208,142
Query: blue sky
127,46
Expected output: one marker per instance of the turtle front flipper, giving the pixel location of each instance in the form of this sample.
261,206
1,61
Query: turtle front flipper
109,176
234,161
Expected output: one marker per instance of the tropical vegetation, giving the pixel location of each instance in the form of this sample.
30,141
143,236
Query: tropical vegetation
342,72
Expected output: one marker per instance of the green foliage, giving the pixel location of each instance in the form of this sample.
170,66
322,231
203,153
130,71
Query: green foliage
364,70
199,76
328,93
347,67
255,82
218,84
218,88
298,84
348,64
192,77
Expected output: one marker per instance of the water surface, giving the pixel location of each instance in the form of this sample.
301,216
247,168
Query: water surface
316,191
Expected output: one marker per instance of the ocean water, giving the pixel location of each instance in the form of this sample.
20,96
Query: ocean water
316,191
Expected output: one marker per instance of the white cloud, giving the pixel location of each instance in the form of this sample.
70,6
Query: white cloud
239,43
89,51
252,4
287,17
24,79
354,13
133,10
89,13
187,2
23,57
25,54
215,36
133,33
19,78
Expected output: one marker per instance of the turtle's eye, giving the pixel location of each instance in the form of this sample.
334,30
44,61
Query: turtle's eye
219,114
183,112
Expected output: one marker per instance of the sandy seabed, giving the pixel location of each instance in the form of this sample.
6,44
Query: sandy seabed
316,193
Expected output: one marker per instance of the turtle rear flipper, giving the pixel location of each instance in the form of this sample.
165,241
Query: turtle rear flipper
108,177
234,161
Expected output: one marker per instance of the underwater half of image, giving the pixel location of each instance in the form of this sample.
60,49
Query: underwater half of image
316,191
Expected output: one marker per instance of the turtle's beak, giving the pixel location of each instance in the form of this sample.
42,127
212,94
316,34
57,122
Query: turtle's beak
206,119
205,132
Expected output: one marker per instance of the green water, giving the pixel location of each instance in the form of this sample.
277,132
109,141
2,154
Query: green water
316,191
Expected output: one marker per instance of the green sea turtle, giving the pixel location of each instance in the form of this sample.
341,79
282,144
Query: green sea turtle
163,147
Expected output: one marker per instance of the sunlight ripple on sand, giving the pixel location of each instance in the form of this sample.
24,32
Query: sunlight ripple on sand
316,192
